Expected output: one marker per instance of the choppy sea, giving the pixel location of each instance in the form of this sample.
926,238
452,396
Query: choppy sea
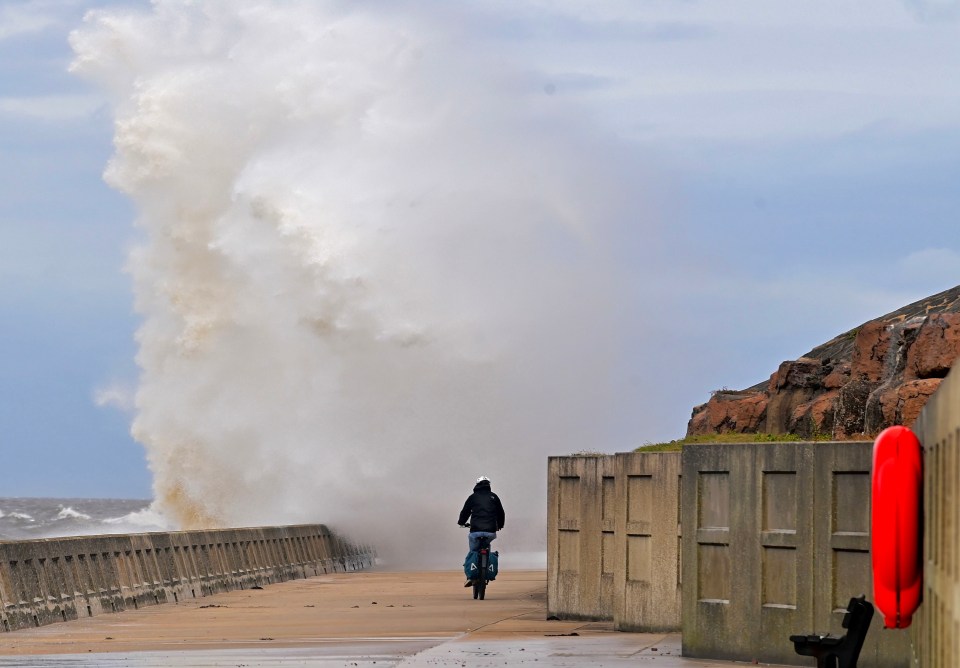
25,518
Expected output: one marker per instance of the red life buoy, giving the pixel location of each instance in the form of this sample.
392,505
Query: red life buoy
897,525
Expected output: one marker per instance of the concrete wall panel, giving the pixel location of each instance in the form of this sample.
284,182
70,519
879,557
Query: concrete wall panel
752,543
781,543
646,586
935,633
59,579
578,587
612,546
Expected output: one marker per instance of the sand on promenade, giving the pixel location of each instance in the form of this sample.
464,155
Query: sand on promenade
432,606
370,619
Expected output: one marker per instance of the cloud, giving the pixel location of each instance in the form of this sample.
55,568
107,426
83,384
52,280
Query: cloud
117,394
940,265
29,17
570,28
578,81
20,20
934,11
51,108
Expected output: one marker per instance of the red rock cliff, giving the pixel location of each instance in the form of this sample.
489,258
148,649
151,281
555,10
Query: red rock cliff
856,384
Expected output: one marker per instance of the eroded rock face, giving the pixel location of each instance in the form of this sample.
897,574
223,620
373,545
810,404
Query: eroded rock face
850,410
857,384
871,349
935,348
814,416
729,412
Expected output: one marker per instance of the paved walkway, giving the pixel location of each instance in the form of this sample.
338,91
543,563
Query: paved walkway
376,618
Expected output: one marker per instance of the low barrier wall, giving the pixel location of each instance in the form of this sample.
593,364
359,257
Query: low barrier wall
613,539
59,579
760,541
776,542
935,632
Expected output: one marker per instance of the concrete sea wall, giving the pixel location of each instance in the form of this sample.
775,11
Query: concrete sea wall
936,629
737,545
613,537
778,543
59,579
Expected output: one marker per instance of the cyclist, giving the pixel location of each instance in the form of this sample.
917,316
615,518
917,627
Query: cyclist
485,513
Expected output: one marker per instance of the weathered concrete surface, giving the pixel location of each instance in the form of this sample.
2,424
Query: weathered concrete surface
935,633
592,647
647,542
589,648
776,541
613,539
314,622
63,579
580,580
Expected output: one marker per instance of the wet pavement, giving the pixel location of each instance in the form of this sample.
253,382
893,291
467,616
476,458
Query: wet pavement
382,653
608,649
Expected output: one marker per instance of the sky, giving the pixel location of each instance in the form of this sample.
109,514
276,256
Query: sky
793,165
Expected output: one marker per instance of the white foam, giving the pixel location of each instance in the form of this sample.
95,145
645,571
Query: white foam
67,512
21,516
147,519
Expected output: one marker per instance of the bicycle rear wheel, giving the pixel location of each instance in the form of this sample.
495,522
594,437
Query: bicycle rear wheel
480,584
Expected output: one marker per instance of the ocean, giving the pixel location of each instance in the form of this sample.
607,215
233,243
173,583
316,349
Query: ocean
26,518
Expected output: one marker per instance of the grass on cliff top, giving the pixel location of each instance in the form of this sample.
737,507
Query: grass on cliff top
675,446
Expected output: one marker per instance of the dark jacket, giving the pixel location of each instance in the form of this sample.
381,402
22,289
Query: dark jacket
483,509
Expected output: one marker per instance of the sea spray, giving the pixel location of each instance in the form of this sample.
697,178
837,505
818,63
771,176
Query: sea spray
373,266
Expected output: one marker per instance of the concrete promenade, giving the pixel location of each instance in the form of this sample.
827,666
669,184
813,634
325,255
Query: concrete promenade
371,618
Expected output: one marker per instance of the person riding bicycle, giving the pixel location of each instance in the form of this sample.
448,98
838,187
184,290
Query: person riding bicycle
485,513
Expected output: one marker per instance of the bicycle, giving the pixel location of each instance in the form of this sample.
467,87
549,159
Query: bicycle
483,565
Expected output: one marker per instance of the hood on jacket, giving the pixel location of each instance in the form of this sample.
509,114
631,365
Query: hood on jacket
483,485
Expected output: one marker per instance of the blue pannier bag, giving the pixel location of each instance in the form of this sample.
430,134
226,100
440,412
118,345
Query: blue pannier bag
471,565
493,565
